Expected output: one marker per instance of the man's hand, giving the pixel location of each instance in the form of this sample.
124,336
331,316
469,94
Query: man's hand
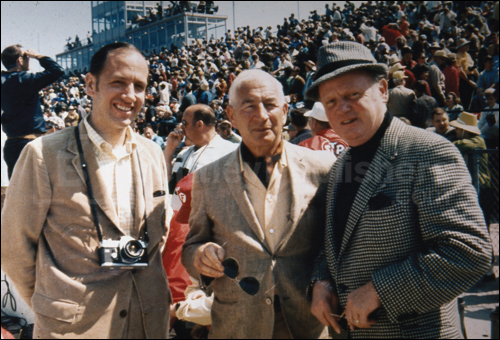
360,303
208,258
324,303
32,54
174,139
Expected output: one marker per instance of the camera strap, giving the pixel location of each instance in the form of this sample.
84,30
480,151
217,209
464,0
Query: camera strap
92,201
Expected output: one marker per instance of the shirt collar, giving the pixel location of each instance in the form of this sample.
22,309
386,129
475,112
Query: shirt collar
102,146
244,154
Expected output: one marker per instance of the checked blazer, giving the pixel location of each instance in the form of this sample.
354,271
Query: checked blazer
423,248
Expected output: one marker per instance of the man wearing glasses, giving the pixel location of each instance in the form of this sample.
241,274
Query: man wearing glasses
198,125
254,218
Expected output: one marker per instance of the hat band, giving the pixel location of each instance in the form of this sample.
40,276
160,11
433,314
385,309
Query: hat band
332,67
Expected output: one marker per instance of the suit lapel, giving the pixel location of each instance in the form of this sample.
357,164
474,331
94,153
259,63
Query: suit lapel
101,196
377,171
140,206
234,179
300,194
333,183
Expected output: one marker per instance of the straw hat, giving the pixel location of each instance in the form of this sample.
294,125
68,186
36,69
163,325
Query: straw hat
468,122
317,112
398,75
396,67
462,42
441,54
310,64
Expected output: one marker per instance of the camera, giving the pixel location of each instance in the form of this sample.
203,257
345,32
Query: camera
126,253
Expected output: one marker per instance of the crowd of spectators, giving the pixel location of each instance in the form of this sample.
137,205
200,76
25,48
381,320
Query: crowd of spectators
440,54
443,59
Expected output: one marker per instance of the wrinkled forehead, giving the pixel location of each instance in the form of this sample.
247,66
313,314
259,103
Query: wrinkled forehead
258,89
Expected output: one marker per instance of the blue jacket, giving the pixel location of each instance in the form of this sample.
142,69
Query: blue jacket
22,114
205,98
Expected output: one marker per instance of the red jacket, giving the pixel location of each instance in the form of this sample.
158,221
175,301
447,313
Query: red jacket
390,35
326,140
452,80
178,277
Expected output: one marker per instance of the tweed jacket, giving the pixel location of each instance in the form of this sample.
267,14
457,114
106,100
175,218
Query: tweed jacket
422,249
49,241
222,213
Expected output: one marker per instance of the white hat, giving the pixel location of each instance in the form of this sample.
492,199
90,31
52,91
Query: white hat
317,112
204,85
399,75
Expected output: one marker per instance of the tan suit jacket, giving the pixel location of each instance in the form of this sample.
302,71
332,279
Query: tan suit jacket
49,241
221,213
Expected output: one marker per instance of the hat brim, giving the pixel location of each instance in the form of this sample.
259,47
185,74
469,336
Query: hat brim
467,43
469,128
312,92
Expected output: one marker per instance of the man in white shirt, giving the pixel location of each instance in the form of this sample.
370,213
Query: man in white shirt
199,127
164,93
93,186
369,32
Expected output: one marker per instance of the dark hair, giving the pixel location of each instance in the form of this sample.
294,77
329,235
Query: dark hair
151,126
100,57
488,58
297,117
418,70
205,114
420,86
10,55
437,112
224,126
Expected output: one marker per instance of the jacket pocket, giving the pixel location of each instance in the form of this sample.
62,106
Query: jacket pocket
65,311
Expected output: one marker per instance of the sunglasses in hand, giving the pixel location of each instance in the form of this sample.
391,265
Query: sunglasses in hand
249,285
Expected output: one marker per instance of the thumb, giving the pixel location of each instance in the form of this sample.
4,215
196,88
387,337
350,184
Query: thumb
221,254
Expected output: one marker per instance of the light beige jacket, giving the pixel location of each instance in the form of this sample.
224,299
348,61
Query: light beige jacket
49,241
222,213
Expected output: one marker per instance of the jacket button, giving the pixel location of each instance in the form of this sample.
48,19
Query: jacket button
269,301
123,313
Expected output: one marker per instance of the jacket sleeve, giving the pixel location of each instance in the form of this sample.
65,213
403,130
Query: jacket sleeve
200,226
52,72
456,248
23,217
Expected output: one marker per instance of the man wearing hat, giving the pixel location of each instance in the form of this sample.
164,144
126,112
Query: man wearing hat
404,232
469,139
400,97
324,138
310,71
410,78
466,68
436,77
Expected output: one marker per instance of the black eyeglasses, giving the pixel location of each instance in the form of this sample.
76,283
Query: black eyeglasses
249,285
184,123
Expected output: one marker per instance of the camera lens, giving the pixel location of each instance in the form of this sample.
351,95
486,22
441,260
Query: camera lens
132,251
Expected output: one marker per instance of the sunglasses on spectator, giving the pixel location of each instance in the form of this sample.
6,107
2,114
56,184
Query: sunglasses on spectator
249,285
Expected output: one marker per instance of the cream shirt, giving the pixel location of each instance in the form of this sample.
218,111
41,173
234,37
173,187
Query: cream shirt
272,215
116,171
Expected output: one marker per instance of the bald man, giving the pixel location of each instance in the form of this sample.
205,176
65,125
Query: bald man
254,213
